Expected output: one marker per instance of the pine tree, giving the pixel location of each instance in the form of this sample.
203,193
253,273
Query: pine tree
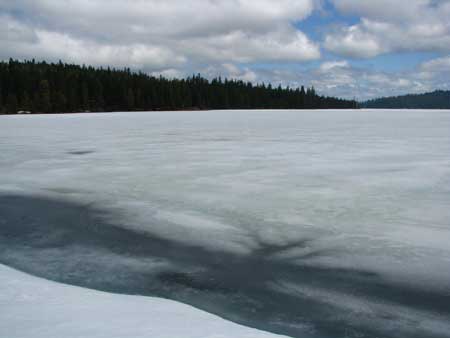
73,101
43,103
25,102
11,104
98,101
2,109
130,99
85,97
60,102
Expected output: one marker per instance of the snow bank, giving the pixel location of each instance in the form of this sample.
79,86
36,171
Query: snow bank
33,307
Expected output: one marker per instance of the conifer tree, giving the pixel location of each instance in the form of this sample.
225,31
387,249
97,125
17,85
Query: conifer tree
25,102
1,101
130,99
46,87
60,102
43,103
11,103
85,96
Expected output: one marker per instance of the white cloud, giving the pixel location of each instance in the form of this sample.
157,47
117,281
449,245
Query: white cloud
341,79
284,43
27,43
367,84
170,73
437,70
156,34
383,9
391,26
231,71
327,66
437,65
354,41
15,31
228,37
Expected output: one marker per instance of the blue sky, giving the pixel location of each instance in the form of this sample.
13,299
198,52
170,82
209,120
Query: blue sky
348,48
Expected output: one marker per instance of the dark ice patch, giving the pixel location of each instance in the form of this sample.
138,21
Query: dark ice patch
67,191
81,152
194,281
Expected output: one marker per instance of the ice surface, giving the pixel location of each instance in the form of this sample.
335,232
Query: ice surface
31,307
274,219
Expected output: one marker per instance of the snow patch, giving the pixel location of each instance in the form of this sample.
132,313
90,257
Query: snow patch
31,307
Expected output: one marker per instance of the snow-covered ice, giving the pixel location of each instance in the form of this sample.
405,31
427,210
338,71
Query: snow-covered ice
304,223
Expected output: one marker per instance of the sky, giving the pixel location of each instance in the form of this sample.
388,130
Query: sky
348,48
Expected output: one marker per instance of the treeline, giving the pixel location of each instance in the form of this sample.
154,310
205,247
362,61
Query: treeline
41,87
438,99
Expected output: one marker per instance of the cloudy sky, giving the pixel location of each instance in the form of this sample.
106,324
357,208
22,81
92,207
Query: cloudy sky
347,48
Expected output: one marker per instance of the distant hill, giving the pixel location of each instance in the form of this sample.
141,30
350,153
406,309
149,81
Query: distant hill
438,99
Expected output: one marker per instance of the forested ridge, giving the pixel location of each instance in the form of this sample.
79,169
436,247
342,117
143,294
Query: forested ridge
438,99
42,87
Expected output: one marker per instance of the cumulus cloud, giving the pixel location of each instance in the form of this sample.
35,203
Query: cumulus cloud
437,71
156,34
232,71
330,65
230,38
339,78
21,41
348,81
437,65
283,43
391,26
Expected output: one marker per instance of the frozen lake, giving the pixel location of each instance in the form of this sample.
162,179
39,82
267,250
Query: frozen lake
304,223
